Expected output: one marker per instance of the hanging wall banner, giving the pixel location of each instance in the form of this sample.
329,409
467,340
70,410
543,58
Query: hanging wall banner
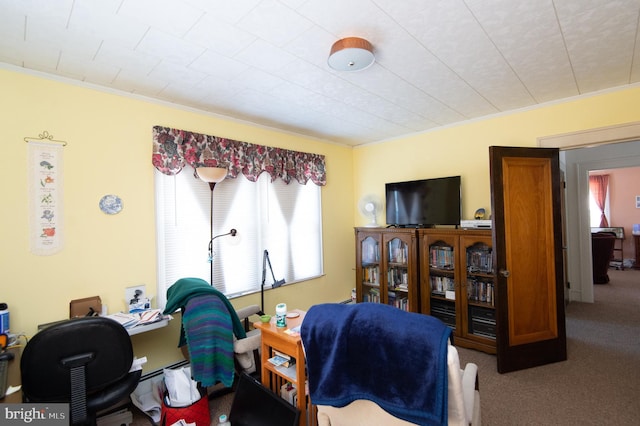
45,182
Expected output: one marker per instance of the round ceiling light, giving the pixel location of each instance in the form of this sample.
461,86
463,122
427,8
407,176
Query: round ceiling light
351,54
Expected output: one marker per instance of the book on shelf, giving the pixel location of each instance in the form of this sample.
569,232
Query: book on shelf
277,360
282,359
288,392
282,354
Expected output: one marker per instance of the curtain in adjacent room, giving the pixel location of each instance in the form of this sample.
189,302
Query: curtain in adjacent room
598,185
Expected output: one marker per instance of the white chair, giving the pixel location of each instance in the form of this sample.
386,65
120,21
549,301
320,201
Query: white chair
247,350
463,407
364,357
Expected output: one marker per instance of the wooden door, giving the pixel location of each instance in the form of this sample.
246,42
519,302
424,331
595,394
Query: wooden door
527,241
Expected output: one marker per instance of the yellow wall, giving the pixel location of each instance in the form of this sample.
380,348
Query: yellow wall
109,152
464,149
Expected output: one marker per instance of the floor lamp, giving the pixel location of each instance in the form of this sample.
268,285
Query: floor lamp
212,175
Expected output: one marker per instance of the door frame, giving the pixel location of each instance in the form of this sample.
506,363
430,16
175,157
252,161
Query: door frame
577,151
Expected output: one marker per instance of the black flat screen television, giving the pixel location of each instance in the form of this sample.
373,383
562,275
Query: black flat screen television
424,203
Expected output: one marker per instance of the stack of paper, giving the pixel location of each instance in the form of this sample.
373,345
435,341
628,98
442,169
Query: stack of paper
126,320
139,318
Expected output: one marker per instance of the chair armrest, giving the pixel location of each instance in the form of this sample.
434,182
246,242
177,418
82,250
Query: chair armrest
469,386
249,343
247,311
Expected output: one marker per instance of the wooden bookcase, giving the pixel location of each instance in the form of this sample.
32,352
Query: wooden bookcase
387,267
457,284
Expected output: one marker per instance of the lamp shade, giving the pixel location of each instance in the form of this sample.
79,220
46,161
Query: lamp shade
211,174
351,54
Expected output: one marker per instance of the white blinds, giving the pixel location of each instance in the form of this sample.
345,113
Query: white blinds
283,219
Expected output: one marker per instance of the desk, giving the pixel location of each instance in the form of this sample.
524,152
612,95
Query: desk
274,338
617,262
13,378
143,328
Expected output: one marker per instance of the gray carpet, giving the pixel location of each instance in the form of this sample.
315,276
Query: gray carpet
599,384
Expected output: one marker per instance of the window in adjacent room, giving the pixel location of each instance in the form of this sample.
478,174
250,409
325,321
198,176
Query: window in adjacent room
599,200
283,219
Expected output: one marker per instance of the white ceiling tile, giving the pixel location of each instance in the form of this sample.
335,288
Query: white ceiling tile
437,62
100,18
601,58
48,34
228,11
265,56
169,71
169,16
12,28
91,71
133,82
214,64
169,47
219,36
274,22
30,55
56,12
253,78
126,58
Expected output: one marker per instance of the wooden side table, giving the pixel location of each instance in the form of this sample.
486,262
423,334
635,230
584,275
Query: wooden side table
286,342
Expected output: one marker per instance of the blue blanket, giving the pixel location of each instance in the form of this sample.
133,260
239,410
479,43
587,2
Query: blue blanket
371,351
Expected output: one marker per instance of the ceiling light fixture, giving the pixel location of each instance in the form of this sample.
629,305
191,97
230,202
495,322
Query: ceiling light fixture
351,54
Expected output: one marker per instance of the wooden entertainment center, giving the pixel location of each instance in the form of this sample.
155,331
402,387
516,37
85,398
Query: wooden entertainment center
444,272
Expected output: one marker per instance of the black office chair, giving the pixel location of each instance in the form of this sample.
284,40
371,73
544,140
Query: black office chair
84,362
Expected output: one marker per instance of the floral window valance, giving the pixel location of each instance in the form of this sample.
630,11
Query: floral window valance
173,148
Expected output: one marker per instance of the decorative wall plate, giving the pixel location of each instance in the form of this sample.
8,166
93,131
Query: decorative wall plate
111,204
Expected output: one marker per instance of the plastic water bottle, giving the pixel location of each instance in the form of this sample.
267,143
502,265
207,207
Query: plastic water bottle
281,315
223,420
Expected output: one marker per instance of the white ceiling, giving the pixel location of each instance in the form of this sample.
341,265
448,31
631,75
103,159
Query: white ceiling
265,61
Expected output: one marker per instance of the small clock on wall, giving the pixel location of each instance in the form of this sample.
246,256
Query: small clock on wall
110,204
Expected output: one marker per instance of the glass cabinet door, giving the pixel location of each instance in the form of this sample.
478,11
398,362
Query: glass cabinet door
480,291
386,267
370,269
398,273
442,282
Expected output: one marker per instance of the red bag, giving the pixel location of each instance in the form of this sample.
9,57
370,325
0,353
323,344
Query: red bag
197,413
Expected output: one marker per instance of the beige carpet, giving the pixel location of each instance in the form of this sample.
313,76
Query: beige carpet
599,384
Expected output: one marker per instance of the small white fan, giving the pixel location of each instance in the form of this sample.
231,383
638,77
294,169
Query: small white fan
369,206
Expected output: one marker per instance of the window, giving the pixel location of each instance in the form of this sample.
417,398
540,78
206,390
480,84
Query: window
283,219
595,214
599,200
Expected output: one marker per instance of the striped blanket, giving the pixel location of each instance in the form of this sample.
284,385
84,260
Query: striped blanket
209,323
209,335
